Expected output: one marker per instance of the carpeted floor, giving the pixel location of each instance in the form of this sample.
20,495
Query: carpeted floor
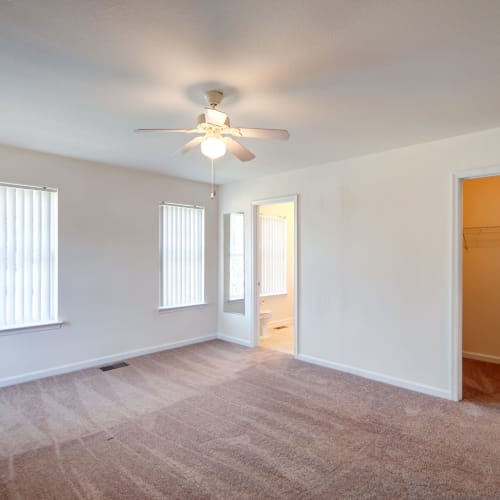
481,383
216,420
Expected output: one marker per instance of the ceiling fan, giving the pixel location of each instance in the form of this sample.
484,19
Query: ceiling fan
215,134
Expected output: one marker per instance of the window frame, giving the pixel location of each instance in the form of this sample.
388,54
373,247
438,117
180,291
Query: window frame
284,220
166,308
54,322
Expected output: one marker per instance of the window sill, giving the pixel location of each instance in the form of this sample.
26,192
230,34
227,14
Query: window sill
39,327
163,310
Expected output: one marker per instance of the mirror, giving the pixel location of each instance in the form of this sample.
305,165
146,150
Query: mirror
234,263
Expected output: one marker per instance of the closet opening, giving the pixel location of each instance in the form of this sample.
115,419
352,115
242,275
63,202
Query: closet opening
481,289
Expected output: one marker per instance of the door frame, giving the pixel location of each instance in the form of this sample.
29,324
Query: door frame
456,337
254,313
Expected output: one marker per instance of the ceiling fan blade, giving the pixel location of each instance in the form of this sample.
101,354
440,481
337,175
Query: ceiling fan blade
215,117
242,153
190,145
259,133
183,130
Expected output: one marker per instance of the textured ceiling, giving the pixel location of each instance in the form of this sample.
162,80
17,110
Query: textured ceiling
346,78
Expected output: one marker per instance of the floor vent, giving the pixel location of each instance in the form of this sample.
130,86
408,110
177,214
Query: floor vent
113,367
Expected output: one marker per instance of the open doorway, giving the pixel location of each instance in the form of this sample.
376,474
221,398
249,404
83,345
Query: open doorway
275,277
481,289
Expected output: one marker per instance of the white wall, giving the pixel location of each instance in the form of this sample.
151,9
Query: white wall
281,306
108,263
374,258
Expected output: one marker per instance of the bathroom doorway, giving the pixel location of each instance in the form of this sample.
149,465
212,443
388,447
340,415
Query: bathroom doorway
275,274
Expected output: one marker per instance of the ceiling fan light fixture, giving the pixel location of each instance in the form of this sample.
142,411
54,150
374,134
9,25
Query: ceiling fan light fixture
214,132
213,148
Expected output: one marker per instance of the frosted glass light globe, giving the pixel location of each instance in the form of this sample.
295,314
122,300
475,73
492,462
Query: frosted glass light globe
213,148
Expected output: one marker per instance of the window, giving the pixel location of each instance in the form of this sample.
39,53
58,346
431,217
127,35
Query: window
182,243
28,256
273,230
236,257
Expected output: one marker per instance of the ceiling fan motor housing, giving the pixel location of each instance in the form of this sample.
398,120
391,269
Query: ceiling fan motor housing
202,119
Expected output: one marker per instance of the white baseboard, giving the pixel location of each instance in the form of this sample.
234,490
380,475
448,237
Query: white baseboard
234,340
481,357
95,362
386,379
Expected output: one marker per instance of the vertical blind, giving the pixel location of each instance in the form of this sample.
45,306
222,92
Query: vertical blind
182,255
236,257
28,256
273,257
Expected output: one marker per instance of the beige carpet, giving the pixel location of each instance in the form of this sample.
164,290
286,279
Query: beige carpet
481,382
219,421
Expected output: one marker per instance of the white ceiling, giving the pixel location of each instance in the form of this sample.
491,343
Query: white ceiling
345,77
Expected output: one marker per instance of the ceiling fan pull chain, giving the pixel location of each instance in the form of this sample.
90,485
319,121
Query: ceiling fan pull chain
212,194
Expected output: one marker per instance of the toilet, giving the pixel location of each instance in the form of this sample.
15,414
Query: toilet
264,317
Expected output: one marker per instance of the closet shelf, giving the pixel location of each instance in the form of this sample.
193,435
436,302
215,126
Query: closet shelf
481,237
